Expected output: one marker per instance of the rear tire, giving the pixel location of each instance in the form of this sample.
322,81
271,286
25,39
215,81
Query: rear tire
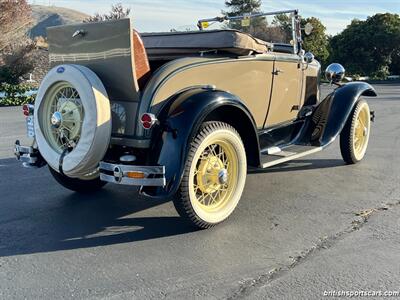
214,176
355,135
78,185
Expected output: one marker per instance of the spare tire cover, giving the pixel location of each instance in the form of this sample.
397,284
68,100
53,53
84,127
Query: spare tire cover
96,127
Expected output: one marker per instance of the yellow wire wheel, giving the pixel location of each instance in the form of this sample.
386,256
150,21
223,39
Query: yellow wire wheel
355,136
214,177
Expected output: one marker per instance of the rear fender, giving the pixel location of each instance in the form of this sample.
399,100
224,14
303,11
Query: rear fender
331,115
180,119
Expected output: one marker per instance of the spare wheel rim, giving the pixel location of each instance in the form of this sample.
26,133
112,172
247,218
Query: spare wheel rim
62,117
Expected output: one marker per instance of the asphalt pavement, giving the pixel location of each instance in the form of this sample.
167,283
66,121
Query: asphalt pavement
307,227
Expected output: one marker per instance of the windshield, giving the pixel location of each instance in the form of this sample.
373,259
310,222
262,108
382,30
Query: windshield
274,29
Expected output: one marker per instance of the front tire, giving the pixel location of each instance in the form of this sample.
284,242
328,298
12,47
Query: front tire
355,135
92,184
214,176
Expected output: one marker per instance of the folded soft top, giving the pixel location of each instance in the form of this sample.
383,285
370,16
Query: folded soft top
180,43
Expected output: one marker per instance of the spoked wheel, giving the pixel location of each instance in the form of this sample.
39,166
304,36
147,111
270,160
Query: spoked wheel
62,117
214,177
355,135
72,121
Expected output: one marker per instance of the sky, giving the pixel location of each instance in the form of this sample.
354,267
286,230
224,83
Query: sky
159,15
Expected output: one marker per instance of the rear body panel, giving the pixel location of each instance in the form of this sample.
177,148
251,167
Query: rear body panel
250,79
105,48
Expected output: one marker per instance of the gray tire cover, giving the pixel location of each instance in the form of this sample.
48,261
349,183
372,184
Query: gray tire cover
96,127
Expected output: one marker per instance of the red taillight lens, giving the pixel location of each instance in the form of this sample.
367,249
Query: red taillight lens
27,110
146,125
148,120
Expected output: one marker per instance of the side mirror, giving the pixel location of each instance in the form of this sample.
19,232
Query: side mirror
309,57
308,29
335,73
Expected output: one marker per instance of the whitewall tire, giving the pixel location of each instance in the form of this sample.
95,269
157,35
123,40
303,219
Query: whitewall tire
73,98
214,176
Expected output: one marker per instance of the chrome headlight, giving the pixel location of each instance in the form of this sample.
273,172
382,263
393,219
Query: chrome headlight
335,73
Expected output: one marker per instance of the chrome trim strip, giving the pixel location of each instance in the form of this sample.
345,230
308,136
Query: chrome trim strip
292,157
121,52
133,182
120,171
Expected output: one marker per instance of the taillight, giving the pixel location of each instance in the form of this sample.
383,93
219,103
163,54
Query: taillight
148,120
28,109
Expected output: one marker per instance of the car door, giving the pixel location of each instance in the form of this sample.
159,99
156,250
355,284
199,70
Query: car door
286,90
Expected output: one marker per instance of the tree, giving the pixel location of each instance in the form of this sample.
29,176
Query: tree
17,63
368,47
15,16
317,42
240,7
395,65
15,46
284,21
117,12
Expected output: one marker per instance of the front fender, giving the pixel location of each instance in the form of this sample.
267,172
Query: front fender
180,120
331,115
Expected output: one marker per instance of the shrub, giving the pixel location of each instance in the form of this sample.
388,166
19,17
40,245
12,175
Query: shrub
15,95
17,63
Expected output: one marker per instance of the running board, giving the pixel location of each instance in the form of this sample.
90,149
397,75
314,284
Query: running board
273,157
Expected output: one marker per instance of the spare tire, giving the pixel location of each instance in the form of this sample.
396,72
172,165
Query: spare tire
72,120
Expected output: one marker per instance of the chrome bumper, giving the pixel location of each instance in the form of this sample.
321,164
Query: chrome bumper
122,174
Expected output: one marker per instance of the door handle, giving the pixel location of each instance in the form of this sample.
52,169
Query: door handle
277,72
79,32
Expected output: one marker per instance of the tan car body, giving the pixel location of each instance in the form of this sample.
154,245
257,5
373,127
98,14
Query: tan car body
274,86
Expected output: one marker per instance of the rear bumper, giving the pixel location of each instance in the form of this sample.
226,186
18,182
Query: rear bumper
113,173
132,175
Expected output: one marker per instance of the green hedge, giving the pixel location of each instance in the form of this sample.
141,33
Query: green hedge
15,95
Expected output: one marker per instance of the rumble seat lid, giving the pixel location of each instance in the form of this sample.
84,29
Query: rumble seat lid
174,43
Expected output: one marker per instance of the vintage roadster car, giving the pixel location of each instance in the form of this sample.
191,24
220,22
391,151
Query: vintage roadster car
185,114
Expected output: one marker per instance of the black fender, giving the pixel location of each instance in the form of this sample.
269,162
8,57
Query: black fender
179,120
332,113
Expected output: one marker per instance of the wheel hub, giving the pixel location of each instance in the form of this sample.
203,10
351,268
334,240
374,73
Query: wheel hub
63,117
56,119
212,175
71,118
223,176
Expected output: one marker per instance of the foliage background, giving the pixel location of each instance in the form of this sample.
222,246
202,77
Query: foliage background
16,94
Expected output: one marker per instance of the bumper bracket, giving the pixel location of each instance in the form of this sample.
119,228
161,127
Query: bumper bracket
29,156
